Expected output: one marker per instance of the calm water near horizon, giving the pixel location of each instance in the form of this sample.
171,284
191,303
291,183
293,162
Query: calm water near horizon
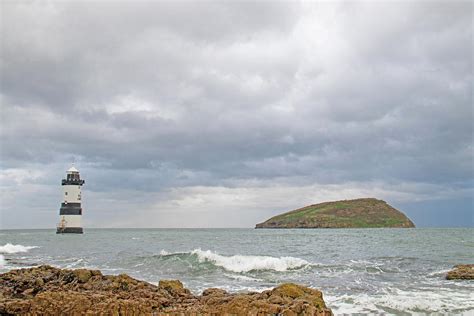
390,271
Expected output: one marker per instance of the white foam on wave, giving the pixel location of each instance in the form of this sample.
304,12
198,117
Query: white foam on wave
416,303
2,261
165,253
77,262
439,272
231,288
240,277
240,263
10,248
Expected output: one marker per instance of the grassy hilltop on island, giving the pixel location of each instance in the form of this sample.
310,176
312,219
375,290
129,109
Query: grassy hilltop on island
359,213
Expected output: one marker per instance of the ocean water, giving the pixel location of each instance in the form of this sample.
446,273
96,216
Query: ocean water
360,271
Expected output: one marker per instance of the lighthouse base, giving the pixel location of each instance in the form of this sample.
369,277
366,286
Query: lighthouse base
69,230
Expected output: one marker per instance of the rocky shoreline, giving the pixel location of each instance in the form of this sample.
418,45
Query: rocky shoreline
46,290
461,272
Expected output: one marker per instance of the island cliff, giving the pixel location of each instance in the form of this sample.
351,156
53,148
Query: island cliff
359,213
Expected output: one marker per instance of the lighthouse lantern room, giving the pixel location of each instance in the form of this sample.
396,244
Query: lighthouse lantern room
70,213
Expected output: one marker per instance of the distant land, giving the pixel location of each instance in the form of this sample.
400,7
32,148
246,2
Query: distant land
359,213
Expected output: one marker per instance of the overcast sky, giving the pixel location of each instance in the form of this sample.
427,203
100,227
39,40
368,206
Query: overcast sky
222,114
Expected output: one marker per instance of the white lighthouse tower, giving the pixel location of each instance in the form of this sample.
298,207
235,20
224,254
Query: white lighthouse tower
70,213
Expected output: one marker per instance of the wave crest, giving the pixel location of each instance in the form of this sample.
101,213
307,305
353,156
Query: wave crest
10,248
240,263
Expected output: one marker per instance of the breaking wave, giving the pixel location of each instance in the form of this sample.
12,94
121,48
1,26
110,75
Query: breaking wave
395,300
241,263
10,248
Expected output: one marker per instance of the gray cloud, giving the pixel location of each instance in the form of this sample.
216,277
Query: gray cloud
159,100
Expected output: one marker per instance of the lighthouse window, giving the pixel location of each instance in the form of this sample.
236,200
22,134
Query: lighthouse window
65,193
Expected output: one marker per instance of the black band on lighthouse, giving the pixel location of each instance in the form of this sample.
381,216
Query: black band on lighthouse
72,182
70,209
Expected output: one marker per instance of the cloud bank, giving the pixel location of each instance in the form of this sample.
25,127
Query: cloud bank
209,114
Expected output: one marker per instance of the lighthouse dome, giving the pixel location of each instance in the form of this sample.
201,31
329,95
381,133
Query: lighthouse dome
72,170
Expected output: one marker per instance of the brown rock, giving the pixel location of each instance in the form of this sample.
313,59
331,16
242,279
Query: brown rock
461,272
214,292
16,307
276,299
83,275
50,291
171,285
28,292
39,282
293,291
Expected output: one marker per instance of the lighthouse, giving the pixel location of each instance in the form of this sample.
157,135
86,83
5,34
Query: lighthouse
70,213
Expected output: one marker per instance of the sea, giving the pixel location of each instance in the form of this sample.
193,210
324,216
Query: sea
360,271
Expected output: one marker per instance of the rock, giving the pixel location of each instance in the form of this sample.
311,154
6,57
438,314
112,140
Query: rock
288,290
46,290
214,292
29,292
39,282
83,275
171,285
96,272
304,294
461,272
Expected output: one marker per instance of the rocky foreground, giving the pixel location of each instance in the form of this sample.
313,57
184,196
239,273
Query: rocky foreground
461,272
46,290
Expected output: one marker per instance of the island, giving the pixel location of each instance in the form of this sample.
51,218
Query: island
358,213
